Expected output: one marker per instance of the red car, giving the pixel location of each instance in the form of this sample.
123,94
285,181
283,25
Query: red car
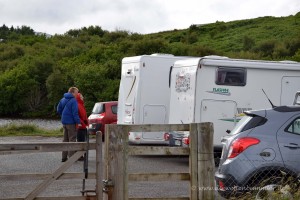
103,113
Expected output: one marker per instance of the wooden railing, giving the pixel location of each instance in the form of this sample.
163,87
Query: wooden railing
200,151
59,174
114,165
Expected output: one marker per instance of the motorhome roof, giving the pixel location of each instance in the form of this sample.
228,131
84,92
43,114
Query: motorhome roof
160,56
259,64
220,61
187,62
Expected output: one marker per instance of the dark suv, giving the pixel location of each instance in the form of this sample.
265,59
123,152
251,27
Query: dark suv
103,113
261,153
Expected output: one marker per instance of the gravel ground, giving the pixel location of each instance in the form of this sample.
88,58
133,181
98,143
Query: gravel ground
49,162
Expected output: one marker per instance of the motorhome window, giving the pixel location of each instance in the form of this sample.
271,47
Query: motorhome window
231,76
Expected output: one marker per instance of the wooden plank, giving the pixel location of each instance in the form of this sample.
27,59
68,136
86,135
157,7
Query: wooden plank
206,165
99,166
124,155
57,198
42,176
117,148
94,198
157,127
157,150
54,176
10,148
162,198
67,198
158,176
17,152
193,164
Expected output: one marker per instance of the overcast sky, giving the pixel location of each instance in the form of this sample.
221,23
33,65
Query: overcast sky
139,16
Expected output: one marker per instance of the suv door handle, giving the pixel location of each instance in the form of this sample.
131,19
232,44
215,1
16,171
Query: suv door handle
292,146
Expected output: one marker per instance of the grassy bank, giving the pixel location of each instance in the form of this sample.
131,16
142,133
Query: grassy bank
28,130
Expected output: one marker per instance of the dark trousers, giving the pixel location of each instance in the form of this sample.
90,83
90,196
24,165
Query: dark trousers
69,136
81,135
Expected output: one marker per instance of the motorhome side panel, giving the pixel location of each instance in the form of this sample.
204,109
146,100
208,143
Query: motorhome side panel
289,86
149,103
223,104
128,90
154,96
155,91
214,103
182,95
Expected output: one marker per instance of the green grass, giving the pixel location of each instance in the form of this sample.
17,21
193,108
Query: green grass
28,130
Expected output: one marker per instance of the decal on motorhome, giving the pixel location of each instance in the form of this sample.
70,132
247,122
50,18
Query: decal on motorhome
221,91
183,82
131,87
241,110
238,116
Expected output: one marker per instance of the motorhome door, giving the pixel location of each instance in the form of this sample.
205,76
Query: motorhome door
222,113
289,86
154,114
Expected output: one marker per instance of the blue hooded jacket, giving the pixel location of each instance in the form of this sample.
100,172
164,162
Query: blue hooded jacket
68,109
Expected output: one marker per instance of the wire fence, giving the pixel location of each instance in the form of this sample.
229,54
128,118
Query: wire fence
243,178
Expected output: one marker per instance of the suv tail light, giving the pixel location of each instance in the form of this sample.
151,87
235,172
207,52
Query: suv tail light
240,145
186,140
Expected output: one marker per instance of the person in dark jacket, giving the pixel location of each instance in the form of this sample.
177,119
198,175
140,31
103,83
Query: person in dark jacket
68,110
82,128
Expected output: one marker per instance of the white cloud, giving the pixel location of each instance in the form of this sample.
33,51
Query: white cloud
57,16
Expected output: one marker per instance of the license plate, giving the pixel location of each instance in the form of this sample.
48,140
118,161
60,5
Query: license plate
177,142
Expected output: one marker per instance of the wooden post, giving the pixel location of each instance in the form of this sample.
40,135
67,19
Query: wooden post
116,148
206,165
99,166
193,164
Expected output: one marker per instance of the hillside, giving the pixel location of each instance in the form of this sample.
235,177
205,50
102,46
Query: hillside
35,69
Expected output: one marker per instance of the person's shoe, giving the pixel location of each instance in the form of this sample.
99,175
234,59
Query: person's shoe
81,158
64,159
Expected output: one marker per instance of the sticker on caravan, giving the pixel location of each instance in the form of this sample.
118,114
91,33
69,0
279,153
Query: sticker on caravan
221,91
183,82
238,116
241,111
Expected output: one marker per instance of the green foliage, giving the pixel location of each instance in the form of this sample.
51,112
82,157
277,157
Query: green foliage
15,85
36,70
28,130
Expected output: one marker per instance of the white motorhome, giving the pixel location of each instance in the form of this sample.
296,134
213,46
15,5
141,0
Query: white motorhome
144,94
218,89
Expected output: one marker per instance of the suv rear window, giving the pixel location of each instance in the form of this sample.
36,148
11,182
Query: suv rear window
248,122
98,108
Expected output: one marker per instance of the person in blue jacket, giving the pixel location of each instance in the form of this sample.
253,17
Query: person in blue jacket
68,110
